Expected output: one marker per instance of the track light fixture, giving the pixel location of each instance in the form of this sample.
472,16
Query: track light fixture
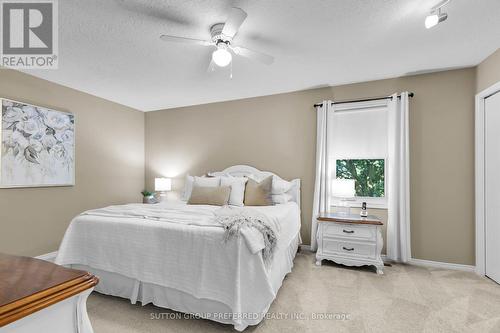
436,15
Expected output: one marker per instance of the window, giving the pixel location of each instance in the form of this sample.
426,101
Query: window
369,176
358,150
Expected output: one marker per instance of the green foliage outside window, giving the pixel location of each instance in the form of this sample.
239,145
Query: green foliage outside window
368,176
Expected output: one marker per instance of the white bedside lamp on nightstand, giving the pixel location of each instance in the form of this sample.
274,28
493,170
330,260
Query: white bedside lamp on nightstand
344,190
163,185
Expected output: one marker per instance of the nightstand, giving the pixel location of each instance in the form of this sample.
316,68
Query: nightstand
350,240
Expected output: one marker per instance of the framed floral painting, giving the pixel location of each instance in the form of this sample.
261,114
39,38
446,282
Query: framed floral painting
38,146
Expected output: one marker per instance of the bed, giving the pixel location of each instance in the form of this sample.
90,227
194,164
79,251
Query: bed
174,255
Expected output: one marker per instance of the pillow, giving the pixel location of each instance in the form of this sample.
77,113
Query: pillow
237,185
259,193
216,196
206,181
281,198
199,181
188,187
281,186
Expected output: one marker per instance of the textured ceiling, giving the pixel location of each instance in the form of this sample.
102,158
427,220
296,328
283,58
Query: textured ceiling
112,48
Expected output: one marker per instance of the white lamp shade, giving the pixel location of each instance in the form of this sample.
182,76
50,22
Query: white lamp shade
343,188
163,184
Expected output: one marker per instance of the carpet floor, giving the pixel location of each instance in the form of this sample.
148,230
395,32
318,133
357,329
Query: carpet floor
334,298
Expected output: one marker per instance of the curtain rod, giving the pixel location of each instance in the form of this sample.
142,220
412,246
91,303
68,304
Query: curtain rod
365,99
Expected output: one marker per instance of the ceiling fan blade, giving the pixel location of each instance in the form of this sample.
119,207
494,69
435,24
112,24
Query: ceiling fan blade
234,21
175,39
211,67
254,55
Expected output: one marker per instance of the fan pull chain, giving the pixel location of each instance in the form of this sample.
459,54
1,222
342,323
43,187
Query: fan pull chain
231,74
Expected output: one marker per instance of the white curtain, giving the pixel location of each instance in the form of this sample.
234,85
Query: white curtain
321,201
398,178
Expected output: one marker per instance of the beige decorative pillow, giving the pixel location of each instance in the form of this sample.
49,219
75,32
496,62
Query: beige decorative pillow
216,196
259,194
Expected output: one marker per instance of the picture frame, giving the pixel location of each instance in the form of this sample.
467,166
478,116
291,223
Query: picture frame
37,146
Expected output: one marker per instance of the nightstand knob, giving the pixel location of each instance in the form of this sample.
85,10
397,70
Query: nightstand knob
347,249
348,231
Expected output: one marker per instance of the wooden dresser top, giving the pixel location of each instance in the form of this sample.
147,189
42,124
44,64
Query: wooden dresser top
352,218
28,285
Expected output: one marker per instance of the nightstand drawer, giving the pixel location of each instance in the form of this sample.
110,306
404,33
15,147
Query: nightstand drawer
346,248
350,230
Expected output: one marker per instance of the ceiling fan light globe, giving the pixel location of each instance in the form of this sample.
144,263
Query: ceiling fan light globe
222,57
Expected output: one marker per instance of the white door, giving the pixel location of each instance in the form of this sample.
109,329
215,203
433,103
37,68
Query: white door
492,186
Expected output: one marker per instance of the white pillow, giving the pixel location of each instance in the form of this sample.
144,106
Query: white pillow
188,187
198,181
281,198
207,181
237,185
280,186
256,178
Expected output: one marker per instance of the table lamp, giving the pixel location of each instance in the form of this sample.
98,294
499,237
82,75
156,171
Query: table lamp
344,190
163,185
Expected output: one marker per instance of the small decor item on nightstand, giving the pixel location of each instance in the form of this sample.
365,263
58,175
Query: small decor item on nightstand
364,212
148,197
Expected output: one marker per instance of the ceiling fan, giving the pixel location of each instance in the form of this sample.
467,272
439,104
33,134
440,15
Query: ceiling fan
222,39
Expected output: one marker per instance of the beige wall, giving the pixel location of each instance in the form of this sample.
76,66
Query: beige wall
109,166
275,133
488,72
278,133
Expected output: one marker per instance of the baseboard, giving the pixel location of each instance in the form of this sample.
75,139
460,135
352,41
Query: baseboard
48,256
444,265
436,264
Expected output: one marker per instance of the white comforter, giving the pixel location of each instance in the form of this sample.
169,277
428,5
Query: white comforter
181,246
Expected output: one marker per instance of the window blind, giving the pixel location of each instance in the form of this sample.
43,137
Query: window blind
359,133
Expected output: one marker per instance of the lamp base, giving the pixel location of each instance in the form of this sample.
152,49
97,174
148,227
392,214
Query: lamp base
344,208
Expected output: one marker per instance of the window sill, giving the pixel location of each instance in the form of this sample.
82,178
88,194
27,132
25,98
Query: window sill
358,202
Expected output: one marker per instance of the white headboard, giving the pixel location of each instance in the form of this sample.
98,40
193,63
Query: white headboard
246,170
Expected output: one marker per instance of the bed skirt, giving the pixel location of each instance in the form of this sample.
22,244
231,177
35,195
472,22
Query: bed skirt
115,284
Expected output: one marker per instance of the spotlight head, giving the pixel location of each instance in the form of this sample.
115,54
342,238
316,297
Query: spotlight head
431,20
435,18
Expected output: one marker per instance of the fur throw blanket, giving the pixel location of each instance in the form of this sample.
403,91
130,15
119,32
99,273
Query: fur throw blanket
233,220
